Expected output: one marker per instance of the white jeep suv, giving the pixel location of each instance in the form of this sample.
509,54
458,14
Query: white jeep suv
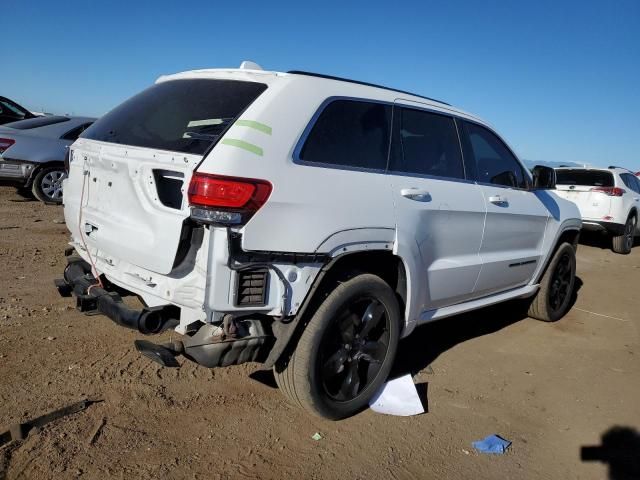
608,199
305,222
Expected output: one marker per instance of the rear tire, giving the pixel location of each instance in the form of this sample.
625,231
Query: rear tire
552,301
346,351
623,243
47,184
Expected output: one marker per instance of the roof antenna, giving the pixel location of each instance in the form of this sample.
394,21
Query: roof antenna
249,65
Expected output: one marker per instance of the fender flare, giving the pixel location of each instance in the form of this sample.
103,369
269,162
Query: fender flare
336,246
569,225
39,166
358,239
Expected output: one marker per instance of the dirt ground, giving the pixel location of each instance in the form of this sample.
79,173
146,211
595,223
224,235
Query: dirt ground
549,388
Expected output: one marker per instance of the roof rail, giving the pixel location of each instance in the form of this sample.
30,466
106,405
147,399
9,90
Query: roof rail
330,77
621,168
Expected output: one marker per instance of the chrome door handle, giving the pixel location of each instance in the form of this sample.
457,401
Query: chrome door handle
498,199
416,194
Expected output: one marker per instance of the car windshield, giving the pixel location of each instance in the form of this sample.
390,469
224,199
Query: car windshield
592,178
177,115
36,122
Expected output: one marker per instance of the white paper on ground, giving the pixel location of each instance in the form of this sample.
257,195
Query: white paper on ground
397,397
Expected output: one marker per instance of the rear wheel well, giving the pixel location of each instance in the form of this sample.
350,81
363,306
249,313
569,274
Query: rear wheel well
568,236
40,166
382,263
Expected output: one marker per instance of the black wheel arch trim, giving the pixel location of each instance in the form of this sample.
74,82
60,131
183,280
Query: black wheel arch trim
566,235
38,167
287,331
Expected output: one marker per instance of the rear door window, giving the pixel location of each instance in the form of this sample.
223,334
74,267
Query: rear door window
178,115
589,178
350,133
425,143
493,161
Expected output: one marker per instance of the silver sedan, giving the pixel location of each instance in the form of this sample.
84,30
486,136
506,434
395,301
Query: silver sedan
32,153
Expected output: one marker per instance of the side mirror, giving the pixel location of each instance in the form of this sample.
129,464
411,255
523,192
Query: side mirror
544,178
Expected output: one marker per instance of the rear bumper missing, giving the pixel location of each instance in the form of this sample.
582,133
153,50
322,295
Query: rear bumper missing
237,341
91,298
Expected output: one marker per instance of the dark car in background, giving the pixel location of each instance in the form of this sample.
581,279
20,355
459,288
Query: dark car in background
32,153
10,111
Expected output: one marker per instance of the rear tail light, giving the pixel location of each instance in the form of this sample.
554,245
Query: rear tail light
5,143
226,200
611,191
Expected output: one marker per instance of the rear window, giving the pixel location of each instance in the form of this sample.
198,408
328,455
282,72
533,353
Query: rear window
178,115
592,178
350,133
36,122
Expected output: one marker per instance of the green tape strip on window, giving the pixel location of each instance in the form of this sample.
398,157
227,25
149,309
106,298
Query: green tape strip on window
257,125
233,142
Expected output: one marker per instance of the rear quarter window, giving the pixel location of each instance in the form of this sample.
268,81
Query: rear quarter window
178,115
350,133
592,178
631,181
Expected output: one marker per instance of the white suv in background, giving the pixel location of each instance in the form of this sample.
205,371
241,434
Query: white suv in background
305,222
608,199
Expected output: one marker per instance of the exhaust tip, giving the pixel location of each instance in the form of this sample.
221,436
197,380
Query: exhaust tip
151,321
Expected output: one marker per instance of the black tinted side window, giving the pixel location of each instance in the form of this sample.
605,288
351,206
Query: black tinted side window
75,133
630,181
350,133
493,161
425,143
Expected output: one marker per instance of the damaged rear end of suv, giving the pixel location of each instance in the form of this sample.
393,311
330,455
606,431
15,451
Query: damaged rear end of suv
158,198
151,216
304,222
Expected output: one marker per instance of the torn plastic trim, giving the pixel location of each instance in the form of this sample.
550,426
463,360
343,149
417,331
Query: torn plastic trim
241,260
237,254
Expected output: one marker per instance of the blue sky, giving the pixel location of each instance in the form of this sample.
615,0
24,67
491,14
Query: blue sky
559,79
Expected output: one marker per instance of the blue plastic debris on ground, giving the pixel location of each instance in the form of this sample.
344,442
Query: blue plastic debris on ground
492,444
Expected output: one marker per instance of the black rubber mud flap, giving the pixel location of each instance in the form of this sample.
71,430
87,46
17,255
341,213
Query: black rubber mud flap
157,353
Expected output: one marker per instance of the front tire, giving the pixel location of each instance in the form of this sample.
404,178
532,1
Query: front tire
346,351
623,243
553,299
47,184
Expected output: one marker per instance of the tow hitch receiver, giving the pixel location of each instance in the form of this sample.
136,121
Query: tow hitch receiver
93,299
